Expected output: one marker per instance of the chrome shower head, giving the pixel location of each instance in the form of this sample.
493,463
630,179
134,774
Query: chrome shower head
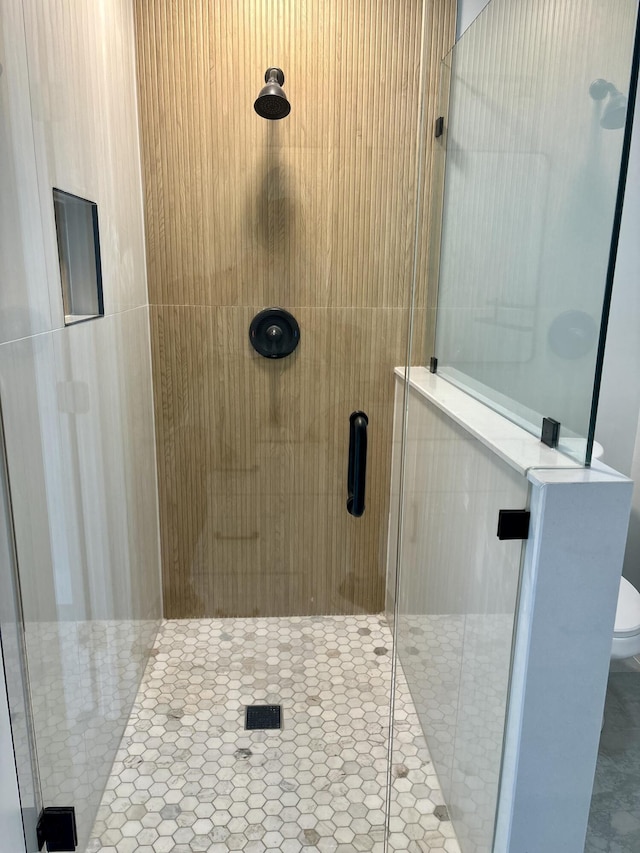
272,102
614,113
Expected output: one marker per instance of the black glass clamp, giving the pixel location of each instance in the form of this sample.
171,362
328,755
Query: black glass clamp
513,523
57,829
550,434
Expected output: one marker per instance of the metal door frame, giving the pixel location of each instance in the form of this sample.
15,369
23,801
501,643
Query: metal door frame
13,657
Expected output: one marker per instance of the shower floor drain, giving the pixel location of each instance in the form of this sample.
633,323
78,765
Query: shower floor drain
263,717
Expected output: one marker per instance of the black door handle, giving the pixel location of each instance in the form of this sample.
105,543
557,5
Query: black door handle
357,474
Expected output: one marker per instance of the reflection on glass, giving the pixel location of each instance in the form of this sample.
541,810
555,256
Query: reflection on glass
88,575
13,660
534,141
454,626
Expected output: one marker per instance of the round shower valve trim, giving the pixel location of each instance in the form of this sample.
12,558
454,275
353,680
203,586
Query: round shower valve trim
274,333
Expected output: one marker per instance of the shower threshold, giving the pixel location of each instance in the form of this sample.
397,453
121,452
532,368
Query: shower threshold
189,777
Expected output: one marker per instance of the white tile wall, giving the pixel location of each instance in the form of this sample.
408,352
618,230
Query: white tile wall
77,401
24,294
84,106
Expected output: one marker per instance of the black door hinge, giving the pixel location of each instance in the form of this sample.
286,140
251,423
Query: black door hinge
439,126
513,523
57,829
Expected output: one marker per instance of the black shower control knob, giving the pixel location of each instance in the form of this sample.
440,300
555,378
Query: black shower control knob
274,333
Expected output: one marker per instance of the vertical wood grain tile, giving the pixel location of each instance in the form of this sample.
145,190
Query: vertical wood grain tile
315,213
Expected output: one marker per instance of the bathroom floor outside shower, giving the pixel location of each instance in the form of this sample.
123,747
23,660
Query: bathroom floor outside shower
189,777
614,818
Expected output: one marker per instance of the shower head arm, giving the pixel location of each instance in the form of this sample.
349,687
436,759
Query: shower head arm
274,75
600,88
614,111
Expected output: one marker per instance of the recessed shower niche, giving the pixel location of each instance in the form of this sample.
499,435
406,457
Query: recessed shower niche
79,256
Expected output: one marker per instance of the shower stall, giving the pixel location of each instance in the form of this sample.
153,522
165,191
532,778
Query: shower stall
251,595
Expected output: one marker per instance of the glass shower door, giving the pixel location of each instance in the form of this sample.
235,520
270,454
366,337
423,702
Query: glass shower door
454,623
80,594
13,658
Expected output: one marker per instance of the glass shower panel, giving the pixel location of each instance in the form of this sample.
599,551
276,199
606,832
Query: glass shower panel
76,409
456,601
534,138
14,663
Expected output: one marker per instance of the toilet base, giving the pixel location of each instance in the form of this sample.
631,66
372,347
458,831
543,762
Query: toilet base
625,647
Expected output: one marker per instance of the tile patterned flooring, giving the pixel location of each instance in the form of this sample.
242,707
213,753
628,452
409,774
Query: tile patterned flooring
458,667
614,819
188,777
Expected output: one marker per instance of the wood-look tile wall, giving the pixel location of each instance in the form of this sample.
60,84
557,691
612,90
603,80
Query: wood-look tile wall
315,213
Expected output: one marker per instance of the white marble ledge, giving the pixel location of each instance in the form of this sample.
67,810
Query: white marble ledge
514,445
598,473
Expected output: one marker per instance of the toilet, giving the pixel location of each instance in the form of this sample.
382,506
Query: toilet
626,634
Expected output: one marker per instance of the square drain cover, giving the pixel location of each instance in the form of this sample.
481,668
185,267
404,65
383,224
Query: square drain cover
263,717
